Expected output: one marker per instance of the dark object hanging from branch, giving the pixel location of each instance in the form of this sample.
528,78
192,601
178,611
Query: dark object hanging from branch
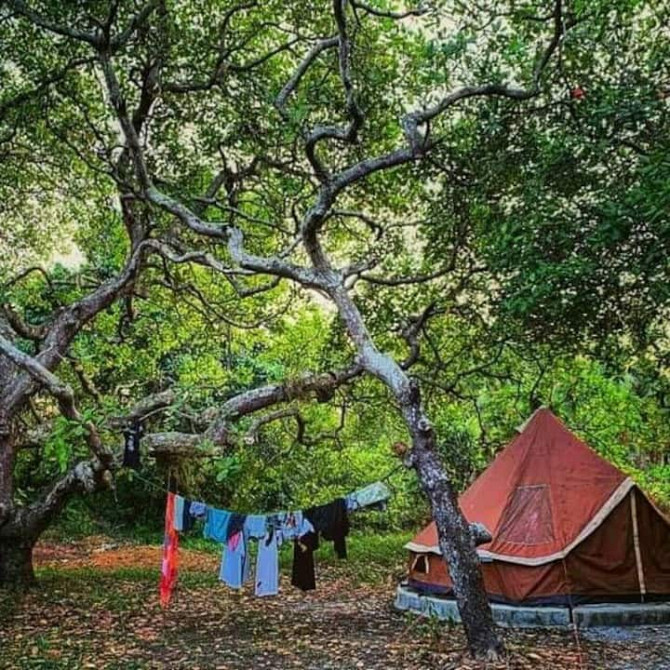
131,451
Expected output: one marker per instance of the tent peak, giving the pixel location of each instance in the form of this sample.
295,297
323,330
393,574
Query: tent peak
543,408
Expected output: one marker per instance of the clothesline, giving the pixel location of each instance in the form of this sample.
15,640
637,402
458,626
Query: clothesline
234,530
156,487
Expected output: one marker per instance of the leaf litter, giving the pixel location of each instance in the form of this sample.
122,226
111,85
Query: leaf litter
97,607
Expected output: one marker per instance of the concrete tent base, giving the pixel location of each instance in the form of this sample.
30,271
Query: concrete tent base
517,616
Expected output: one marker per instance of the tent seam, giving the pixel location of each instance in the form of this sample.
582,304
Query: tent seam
636,545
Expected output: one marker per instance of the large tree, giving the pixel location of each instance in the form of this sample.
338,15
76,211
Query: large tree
271,145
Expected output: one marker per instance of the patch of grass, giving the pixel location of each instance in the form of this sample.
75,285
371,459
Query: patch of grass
137,574
194,541
86,587
371,558
99,583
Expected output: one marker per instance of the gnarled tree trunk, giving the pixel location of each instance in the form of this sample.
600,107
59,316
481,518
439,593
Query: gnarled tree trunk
457,545
16,540
456,541
21,526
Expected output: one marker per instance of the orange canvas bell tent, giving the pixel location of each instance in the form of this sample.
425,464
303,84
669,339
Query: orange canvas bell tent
567,526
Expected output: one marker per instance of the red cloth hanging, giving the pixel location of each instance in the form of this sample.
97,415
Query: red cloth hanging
170,553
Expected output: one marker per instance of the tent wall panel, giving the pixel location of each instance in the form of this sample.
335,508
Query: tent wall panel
654,534
567,526
604,564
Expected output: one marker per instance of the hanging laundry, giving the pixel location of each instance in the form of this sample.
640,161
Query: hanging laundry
234,569
302,572
197,510
295,525
372,496
267,564
332,522
178,522
234,530
188,519
170,553
289,524
216,524
304,527
131,449
273,521
235,524
255,526
184,517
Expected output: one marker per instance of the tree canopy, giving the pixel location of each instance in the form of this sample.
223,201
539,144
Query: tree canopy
304,233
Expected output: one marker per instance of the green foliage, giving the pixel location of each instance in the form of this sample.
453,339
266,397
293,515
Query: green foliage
462,457
547,225
58,447
567,203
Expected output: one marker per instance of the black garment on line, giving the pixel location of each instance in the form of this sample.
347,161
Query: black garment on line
187,520
332,522
302,573
131,450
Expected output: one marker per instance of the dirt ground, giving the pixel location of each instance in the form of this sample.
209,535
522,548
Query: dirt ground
97,607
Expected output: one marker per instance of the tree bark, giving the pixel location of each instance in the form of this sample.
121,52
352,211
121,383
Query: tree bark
16,563
16,544
458,548
23,525
6,469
